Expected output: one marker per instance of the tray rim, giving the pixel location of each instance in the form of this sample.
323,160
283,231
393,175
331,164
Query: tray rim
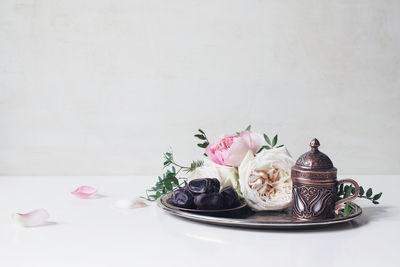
243,223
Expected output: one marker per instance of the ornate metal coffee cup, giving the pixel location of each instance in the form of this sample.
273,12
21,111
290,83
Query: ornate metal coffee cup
315,186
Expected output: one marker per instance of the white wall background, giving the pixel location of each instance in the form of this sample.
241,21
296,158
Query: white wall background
103,87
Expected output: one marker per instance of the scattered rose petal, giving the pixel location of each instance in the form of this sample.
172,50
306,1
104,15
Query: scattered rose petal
34,218
130,203
84,191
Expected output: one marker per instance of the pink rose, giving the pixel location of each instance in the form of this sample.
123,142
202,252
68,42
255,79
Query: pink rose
229,150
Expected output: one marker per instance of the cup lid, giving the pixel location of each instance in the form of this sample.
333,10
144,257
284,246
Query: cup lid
314,159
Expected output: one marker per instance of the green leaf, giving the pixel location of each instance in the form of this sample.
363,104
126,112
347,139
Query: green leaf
348,191
274,141
194,165
168,184
267,139
263,147
279,146
175,181
237,133
361,191
377,196
369,193
203,145
200,136
200,130
375,202
346,211
248,128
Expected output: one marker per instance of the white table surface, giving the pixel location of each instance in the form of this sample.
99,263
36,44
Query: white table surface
91,232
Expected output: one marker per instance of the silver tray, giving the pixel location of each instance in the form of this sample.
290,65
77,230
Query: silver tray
245,218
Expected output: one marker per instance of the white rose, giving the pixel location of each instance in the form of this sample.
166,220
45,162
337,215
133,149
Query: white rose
265,179
226,175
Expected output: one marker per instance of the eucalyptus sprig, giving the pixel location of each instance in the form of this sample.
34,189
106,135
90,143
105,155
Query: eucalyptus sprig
348,190
270,145
170,180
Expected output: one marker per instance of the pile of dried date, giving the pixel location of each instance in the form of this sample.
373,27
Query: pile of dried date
205,194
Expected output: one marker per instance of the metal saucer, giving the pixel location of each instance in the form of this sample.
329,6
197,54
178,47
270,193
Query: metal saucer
245,218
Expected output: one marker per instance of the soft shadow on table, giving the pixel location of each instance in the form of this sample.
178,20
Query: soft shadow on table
375,213
46,224
50,223
97,196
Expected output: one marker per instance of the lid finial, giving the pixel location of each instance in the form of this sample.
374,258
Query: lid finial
314,159
314,144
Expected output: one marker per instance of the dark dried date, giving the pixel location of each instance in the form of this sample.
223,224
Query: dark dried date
182,198
204,186
230,197
211,201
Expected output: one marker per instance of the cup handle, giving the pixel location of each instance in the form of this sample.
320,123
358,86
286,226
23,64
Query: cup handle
340,204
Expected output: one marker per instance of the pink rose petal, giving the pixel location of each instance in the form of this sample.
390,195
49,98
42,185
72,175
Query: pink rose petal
248,141
34,218
84,191
229,150
254,140
212,155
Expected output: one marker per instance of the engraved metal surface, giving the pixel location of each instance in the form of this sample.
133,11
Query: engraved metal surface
245,218
315,175
314,186
313,202
314,159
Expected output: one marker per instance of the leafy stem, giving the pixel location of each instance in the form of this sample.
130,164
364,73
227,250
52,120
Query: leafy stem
346,191
170,180
204,142
167,183
169,160
271,144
